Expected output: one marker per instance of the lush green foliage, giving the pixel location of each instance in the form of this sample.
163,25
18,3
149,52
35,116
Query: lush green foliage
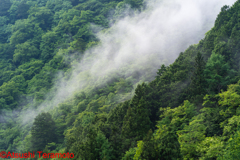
189,111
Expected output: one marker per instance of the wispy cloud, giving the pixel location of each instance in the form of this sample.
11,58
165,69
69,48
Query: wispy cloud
141,43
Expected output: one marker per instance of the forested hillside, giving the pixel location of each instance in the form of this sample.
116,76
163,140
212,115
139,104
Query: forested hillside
186,110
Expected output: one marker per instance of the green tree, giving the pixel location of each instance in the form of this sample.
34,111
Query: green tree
134,3
218,73
24,52
161,70
48,45
147,148
210,148
96,146
41,16
232,150
190,136
10,94
115,120
5,6
198,82
43,131
137,123
22,10
24,30
5,29
229,100
165,138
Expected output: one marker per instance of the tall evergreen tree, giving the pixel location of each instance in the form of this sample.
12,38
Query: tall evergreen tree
43,131
161,70
137,122
198,82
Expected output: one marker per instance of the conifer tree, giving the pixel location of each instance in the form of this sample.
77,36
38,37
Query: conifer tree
198,83
137,122
161,70
43,131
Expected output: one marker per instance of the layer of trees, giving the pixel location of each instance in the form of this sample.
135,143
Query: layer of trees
189,111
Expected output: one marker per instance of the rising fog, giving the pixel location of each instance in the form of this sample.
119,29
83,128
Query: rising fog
140,43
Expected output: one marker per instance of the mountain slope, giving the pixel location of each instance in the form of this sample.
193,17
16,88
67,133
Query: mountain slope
188,111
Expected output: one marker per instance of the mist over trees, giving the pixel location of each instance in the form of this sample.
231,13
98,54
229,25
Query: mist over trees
185,110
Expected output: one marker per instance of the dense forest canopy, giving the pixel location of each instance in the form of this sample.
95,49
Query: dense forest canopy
48,102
